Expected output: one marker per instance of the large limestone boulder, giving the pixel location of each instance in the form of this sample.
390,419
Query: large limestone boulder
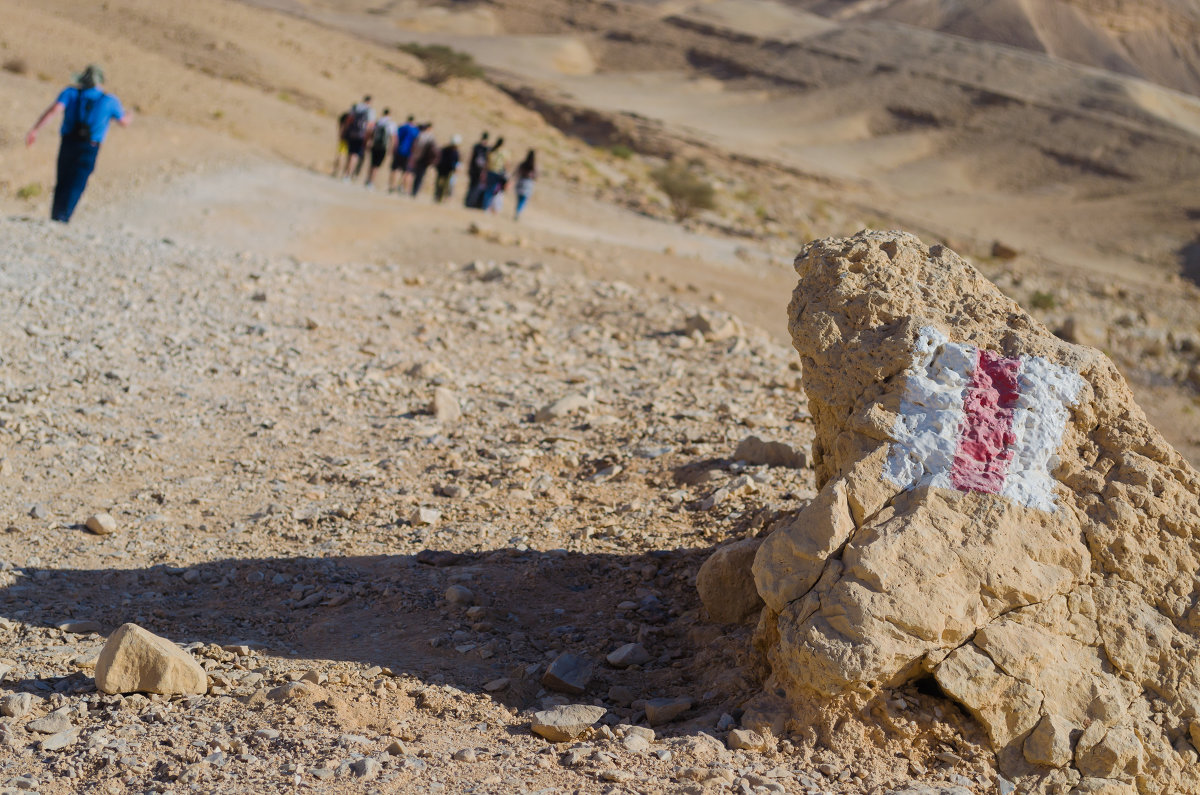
134,660
994,510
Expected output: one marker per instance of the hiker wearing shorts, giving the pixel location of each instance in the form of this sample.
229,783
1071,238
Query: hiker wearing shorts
406,135
87,111
382,135
447,165
358,124
343,149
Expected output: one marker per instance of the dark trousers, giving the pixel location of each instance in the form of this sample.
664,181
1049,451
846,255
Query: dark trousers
76,161
443,186
418,177
474,196
494,185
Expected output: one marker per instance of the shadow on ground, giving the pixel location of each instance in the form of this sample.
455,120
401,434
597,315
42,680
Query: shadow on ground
393,611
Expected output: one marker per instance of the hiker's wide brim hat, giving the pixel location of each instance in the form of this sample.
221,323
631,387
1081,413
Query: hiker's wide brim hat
92,75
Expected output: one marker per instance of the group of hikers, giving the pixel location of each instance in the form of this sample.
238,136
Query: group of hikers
88,110
367,140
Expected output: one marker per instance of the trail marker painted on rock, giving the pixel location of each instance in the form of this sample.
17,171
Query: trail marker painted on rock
972,420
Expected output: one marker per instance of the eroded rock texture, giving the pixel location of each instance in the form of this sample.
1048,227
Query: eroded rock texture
995,510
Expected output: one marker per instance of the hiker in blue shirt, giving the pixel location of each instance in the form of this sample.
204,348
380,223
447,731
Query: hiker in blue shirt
406,136
87,111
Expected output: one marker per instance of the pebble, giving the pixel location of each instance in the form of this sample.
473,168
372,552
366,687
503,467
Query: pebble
294,691
627,655
459,595
574,758
743,484
101,524
665,710
423,516
60,740
635,742
621,695
566,722
366,768
755,451
569,673
466,755
445,406
16,705
568,404
313,677
57,721
80,627
745,740
452,490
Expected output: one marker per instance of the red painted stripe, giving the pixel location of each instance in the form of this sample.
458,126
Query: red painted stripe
986,438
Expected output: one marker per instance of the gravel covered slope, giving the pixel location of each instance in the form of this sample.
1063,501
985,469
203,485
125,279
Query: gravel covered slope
416,491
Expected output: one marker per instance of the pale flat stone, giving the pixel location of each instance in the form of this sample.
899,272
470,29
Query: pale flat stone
57,721
101,524
16,705
565,723
568,404
445,405
134,660
627,655
745,740
665,710
754,450
60,740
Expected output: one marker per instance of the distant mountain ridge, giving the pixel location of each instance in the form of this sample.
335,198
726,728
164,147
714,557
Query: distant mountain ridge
1157,40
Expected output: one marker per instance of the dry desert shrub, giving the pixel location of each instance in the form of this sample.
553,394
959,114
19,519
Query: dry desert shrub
16,66
442,62
688,191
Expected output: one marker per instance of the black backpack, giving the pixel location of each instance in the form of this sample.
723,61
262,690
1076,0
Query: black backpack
360,117
82,129
379,139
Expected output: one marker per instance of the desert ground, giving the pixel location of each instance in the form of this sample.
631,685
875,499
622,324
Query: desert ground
413,454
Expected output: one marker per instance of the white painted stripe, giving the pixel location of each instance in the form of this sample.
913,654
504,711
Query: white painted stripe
931,411
926,433
1039,420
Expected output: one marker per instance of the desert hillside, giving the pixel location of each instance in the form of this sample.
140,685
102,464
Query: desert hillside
1158,40
408,480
